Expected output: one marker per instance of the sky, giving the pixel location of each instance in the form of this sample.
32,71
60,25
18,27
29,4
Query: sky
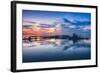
50,17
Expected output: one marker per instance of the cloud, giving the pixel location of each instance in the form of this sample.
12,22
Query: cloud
87,28
72,26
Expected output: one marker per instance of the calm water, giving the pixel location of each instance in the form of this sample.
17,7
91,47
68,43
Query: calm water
56,50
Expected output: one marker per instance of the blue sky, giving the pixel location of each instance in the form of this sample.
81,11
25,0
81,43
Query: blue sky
49,17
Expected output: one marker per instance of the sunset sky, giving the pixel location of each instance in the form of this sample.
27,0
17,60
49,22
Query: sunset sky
49,17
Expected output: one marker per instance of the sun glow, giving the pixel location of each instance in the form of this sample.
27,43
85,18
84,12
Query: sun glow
51,30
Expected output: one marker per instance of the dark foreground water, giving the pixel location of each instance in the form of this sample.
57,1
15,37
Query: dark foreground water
56,50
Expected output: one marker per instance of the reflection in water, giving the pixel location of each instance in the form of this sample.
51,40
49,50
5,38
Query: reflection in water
55,50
